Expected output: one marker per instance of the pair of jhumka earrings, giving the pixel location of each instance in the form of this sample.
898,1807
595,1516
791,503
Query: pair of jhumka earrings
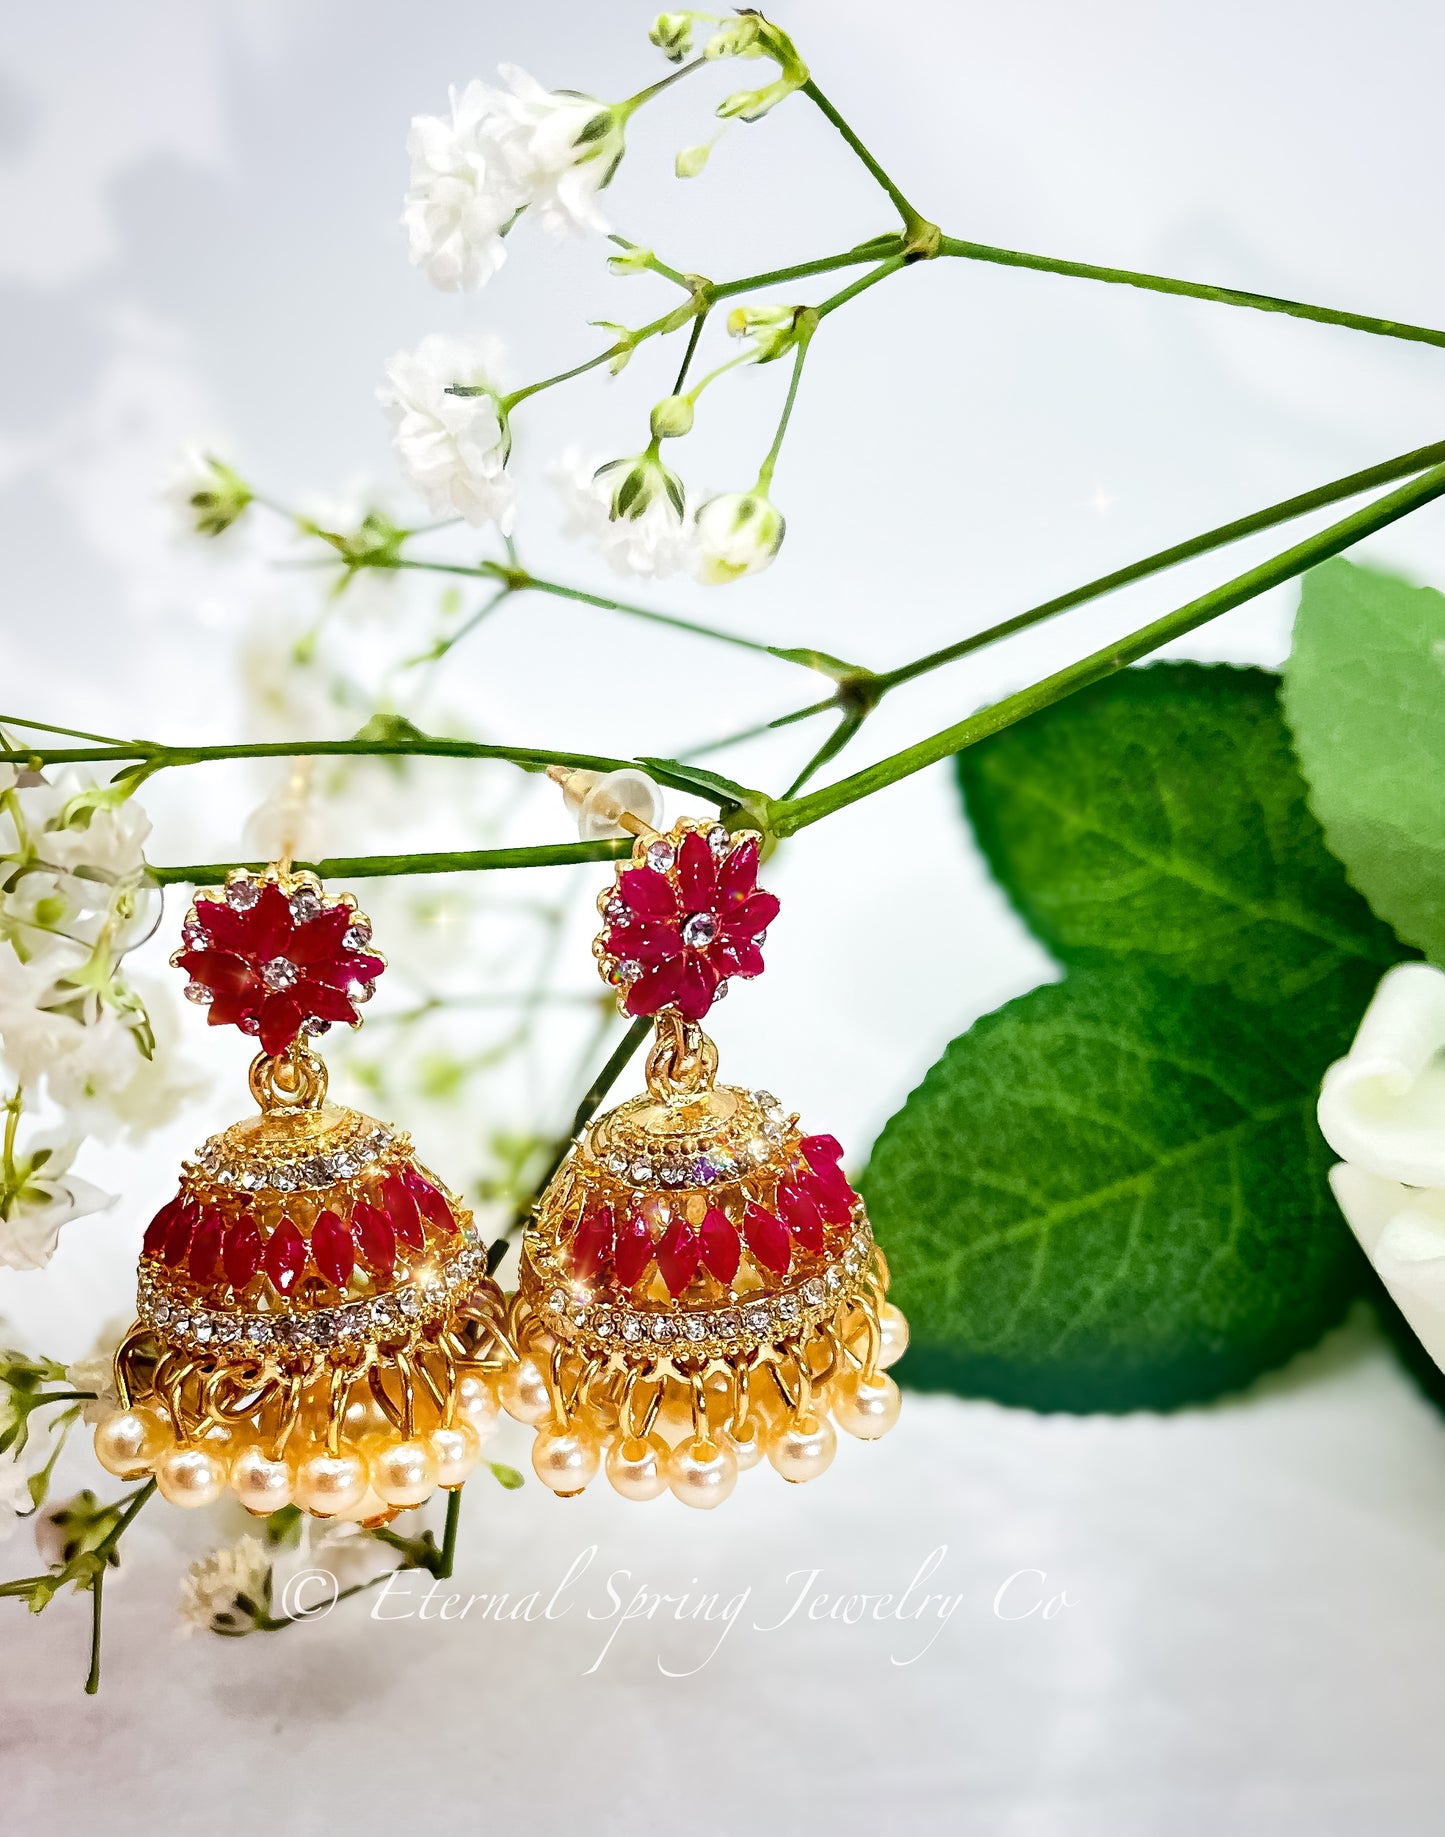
318,1324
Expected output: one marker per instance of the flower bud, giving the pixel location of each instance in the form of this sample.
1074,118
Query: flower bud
210,495
738,38
691,160
771,329
631,261
738,534
672,34
671,417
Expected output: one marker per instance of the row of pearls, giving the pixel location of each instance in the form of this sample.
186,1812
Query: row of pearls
702,1469
374,1471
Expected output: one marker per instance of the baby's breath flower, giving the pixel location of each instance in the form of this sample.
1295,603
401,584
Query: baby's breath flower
39,1194
226,1592
463,193
738,534
651,533
208,494
560,148
453,448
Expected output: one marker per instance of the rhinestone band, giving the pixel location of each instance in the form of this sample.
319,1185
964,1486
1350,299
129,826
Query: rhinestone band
400,1314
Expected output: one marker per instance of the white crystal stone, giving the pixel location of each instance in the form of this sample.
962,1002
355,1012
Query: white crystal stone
699,929
243,893
660,856
305,904
199,994
356,935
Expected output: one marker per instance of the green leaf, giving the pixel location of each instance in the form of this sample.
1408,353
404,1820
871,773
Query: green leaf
390,729
1365,697
697,778
1111,1193
505,1476
1160,815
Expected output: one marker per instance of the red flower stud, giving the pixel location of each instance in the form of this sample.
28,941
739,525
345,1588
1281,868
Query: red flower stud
684,919
277,958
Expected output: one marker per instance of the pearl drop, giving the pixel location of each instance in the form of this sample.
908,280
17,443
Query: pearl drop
261,1484
477,1402
403,1473
895,1335
128,1443
747,1448
702,1473
523,1392
637,1468
191,1476
803,1448
863,1406
565,1460
364,1417
329,1484
456,1451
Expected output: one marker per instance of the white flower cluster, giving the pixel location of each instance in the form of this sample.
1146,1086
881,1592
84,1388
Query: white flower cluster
73,1029
498,153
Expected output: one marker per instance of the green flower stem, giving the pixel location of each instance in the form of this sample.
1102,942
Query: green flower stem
447,1560
913,221
765,471
70,733
791,815
1287,508
633,103
654,266
374,867
880,273
518,580
692,343
157,757
1194,290
103,1553
716,632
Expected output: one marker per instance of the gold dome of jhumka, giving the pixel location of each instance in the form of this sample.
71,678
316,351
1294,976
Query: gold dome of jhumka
699,1285
316,1322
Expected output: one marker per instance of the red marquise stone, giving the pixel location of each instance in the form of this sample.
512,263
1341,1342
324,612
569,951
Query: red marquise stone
332,1249
241,1257
738,876
677,1255
375,1238
821,1151
285,1257
592,1242
206,1247
401,1209
633,1252
430,1199
648,893
719,1245
155,1238
767,1239
178,1236
831,1193
802,1217
696,874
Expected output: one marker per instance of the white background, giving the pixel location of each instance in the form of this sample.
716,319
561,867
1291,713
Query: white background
199,207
